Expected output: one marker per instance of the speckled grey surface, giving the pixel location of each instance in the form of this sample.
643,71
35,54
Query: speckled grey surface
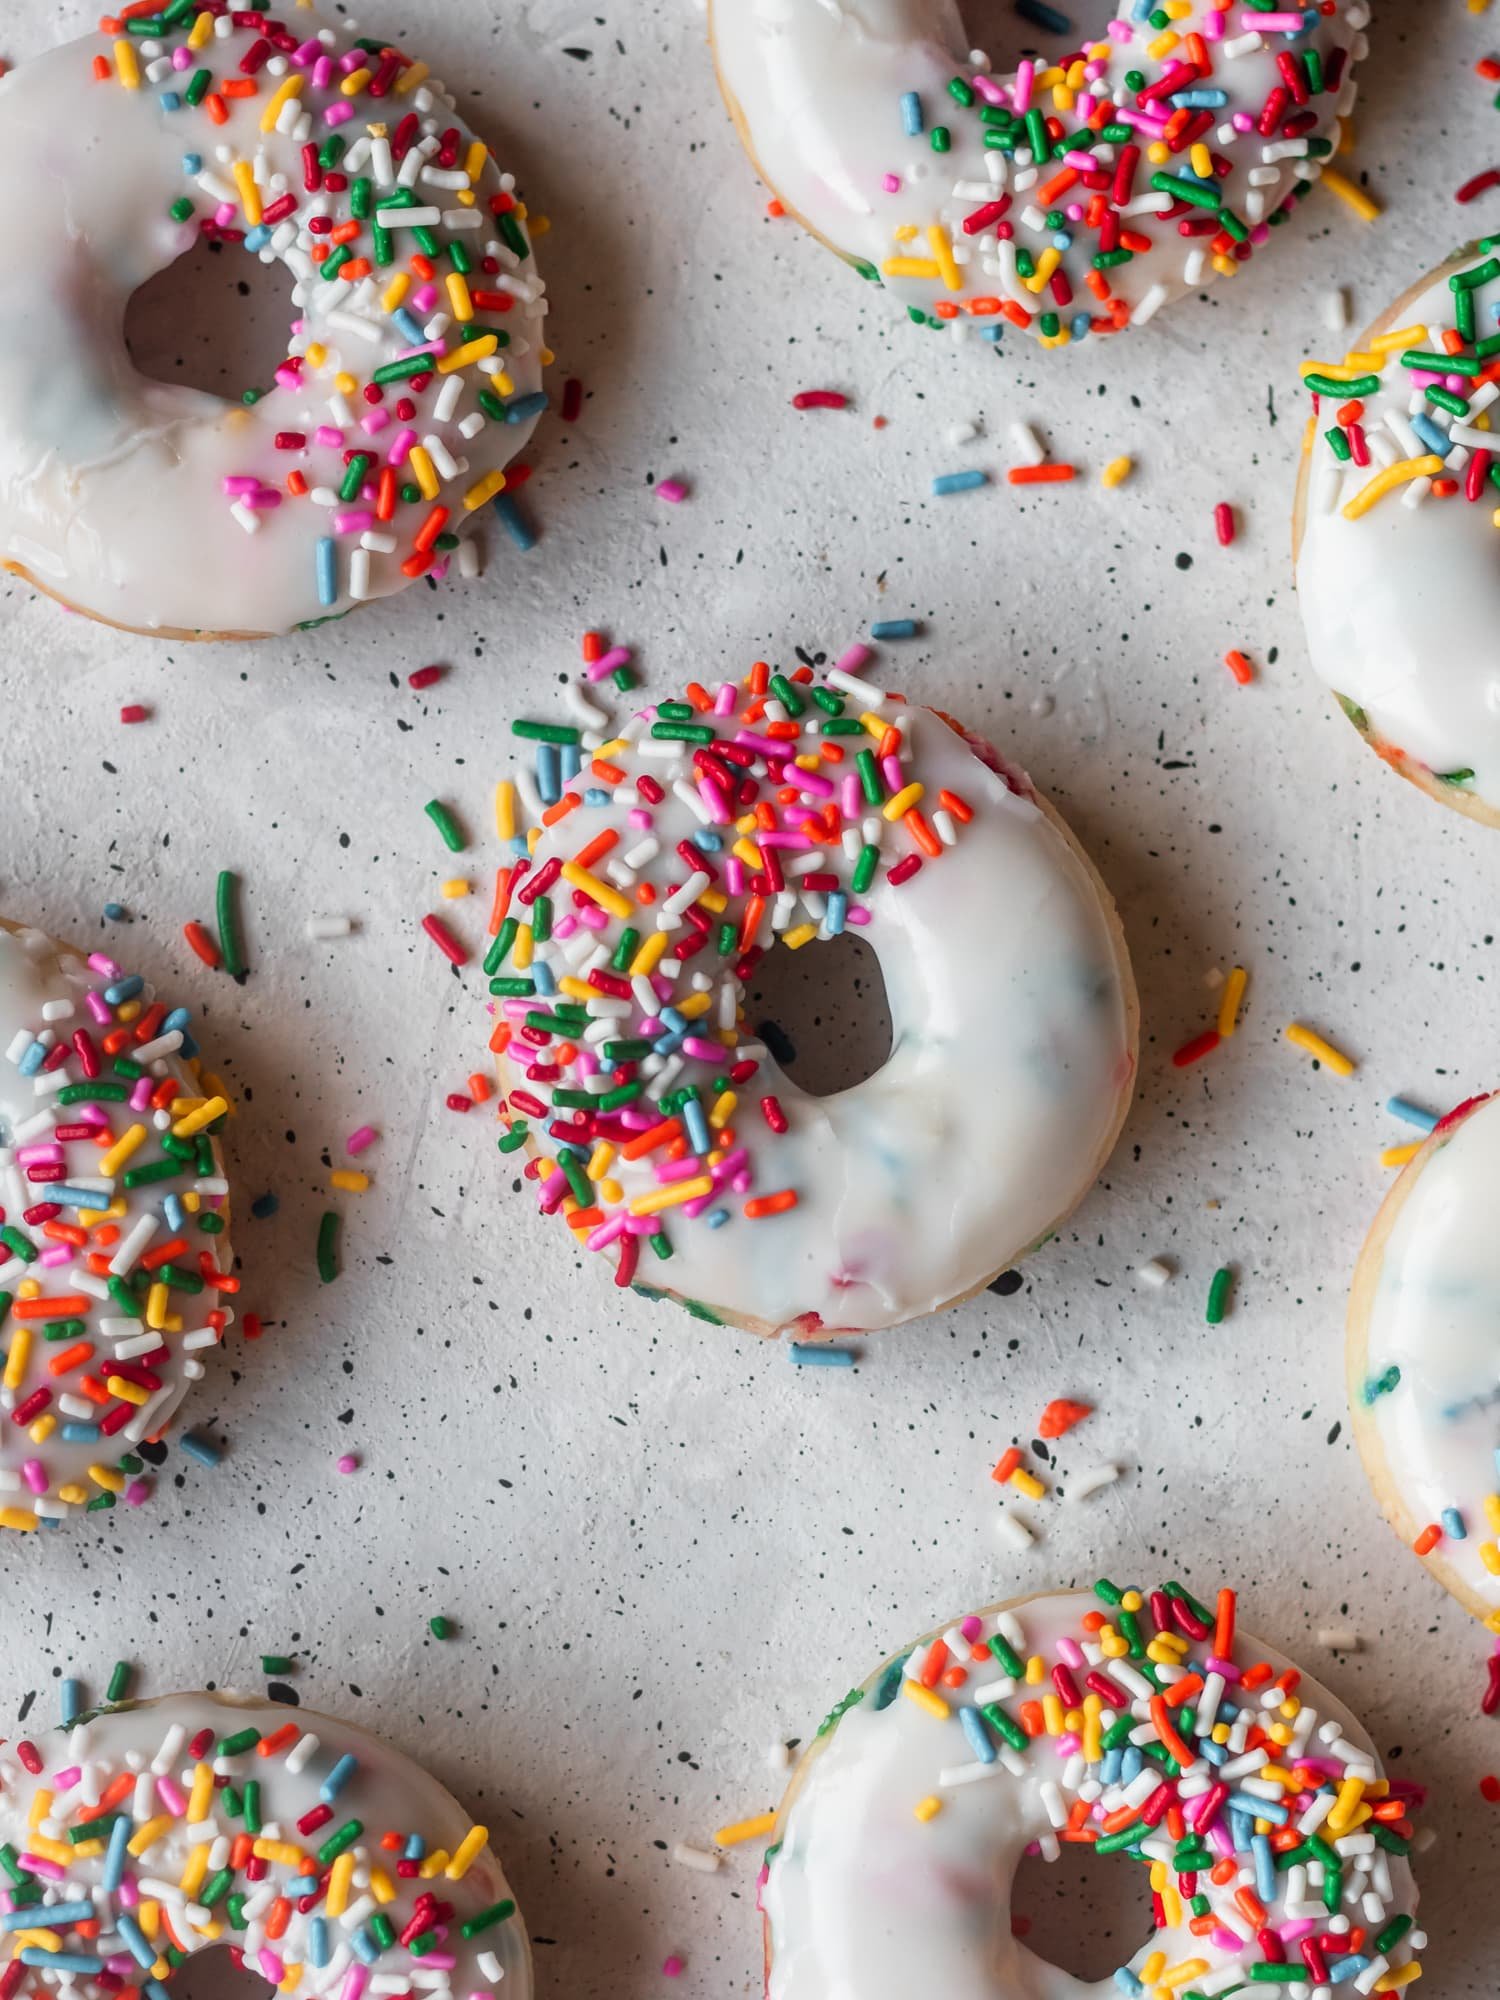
662,1546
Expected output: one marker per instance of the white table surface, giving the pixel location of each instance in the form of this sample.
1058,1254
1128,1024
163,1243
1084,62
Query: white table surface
663,1547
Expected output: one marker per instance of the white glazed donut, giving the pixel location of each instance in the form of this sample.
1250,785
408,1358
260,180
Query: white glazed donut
328,1862
115,1265
1395,533
1039,1722
1423,1347
714,827
413,368
1172,146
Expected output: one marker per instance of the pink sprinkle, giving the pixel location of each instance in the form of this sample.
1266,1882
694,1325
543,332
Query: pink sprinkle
672,1966
673,491
133,711
358,1140
137,1491
891,183
1224,514
617,656
348,1462
424,677
819,399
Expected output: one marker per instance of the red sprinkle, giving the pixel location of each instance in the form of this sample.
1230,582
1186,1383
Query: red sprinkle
1060,1415
456,1101
134,712
820,399
445,941
1040,475
1488,68
425,676
251,1327
1224,523
1195,1050
203,945
572,402
1489,1788
1488,179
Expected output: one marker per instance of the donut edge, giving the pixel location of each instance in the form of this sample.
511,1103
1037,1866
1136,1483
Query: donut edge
1404,765
1362,1289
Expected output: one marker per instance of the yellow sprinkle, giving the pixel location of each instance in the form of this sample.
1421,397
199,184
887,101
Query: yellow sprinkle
1052,1714
1117,472
928,1808
395,292
649,956
128,1392
599,1160
723,1110
339,1878
74,1494
1489,1555
146,1837
347,1179
1162,46
195,1121
1229,1004
458,297
355,82
127,64
382,1888
926,1699
433,1864
1397,1156
909,267
1027,1483
461,357
16,1360
157,1300
1400,336
290,88
1202,161
1346,191
111,1162
940,244
44,1940
42,1429
1325,1052
672,1197
467,1853
201,31
905,799
521,950
485,489
410,78
455,887
1036,1670
505,809
108,1478
1390,476
1151,1971
244,180
798,936
424,471
196,1872
744,1829
601,893
1046,264
1403,1975
1179,1975
18,1519
201,1796
1350,1792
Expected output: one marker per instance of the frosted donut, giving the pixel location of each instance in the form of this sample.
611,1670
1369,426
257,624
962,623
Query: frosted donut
115,1263
328,1862
670,856
1394,533
413,370
1066,200
1257,1802
1424,1355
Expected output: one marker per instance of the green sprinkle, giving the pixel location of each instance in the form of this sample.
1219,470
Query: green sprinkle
1003,1724
486,1919
446,825
231,942
197,88
682,732
1218,1295
275,1663
181,209
238,1744
869,777
398,371
789,697
548,732
515,1138
93,1093
1441,364
335,1844
1325,385
328,1260
440,1627
1186,190
1338,444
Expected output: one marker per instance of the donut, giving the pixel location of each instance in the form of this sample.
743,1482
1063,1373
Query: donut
1142,1728
667,858
1069,198
326,1861
1394,531
413,369
1421,1355
116,1273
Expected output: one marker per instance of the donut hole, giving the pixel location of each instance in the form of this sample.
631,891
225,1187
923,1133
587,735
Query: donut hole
211,1974
1084,1913
823,1013
1006,34
215,320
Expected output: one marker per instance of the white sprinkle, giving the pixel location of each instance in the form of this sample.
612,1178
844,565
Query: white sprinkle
1013,1529
1339,1638
778,1757
964,433
696,1857
1028,446
1092,1481
1154,1273
320,929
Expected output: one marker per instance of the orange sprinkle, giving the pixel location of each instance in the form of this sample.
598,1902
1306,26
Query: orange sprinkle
1060,1415
423,268
597,848
480,1087
1224,1625
1239,666
770,1204
1351,412
775,209
71,1357
921,832
648,1141
1171,1742
1040,475
102,70
216,108
71,1306
569,802
239,86
611,774
961,810
202,945
1425,1543
1008,1462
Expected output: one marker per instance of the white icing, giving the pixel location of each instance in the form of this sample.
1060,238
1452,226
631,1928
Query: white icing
817,86
47,1464
384,1792
865,1899
1436,1317
1011,1068
1399,605
111,485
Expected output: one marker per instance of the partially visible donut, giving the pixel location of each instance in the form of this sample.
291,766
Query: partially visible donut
1424,1355
1394,533
116,1273
1065,199
1140,1727
412,373
666,858
327,1861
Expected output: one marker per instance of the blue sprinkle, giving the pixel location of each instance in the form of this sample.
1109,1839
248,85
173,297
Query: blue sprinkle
1200,100
1265,1868
264,1206
317,1942
338,1777
959,482
838,904
411,333
258,237
1079,326
175,1213
716,1217
1411,1114
1352,1962
1110,1772
178,1018
521,409
596,795
192,163
978,1735
548,773
60,1961
543,977
894,628
141,1951
1062,239
991,331
116,912
170,100
364,1946
70,1701
1126,1980
80,1433
1216,1753
697,1126
1453,1524
706,839
911,114
71,1197
199,1448
1431,436
33,1059
1042,16
570,762
1247,1802
515,523
58,1915
1131,1761
114,1860
124,989
328,571
415,1848
804,1356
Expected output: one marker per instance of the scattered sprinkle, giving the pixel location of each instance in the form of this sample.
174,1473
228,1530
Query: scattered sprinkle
741,1830
1224,524
1195,1050
320,930
1411,1114
673,491
1354,197
1339,1638
1154,1273
327,1251
1324,1052
348,1461
1013,1529
425,677
959,482
1117,472
441,1627
700,1858
1239,666
1218,1295
1231,1000
819,399
805,1355
1091,1481
135,711
1060,1415
894,628
446,824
